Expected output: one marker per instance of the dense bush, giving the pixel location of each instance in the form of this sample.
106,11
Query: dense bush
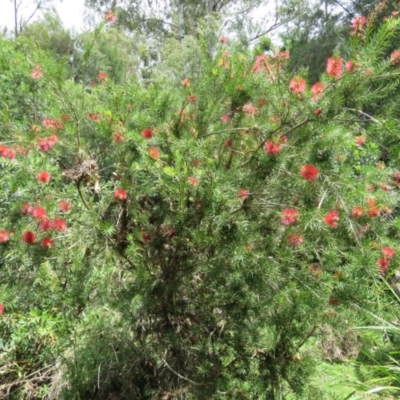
186,241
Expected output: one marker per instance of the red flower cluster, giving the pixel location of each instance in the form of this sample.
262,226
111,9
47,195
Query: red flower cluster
243,194
102,75
350,66
1,309
193,181
147,133
383,263
29,237
357,212
334,67
290,216
395,57
360,140
37,72
38,213
373,209
297,85
93,117
317,90
47,143
295,239
186,82
7,152
48,243
153,151
118,137
309,172
110,17
250,110
59,224
4,237
120,194
64,206
44,177
332,218
50,123
272,148
357,25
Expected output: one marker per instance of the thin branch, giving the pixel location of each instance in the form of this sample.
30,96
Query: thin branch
177,374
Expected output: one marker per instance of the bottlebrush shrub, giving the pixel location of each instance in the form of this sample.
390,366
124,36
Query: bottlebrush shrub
210,284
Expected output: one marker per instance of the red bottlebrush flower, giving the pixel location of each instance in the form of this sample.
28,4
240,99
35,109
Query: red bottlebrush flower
317,111
226,118
145,237
250,110
350,66
383,265
1,309
388,253
29,237
195,163
297,85
7,152
357,212
272,148
193,181
262,63
317,90
46,225
93,117
37,72
49,123
396,177
64,206
43,176
333,302
154,152
282,55
110,17
334,67
59,224
243,194
4,237
186,82
102,75
384,187
283,139
295,239
373,209
120,194
118,137
290,216
332,218
357,25
228,143
39,213
48,243
309,172
47,143
358,22
395,57
192,99
26,208
147,133
360,140
223,40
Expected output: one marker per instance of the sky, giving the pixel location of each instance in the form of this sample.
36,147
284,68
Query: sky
70,11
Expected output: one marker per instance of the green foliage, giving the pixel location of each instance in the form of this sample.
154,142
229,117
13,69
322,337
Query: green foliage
181,256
